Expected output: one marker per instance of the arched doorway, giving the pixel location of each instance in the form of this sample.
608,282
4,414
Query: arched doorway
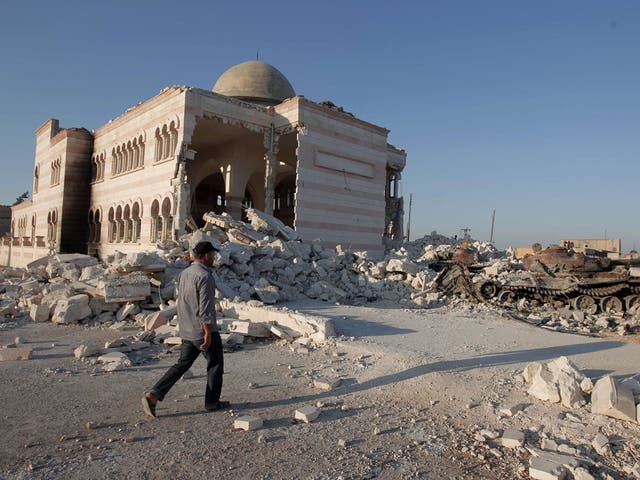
210,195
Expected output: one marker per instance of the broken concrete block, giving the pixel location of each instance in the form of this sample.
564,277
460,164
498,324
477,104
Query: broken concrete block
402,265
251,329
571,395
512,438
127,310
512,410
307,414
155,320
172,341
17,353
72,309
326,384
282,332
113,357
563,364
247,423
581,473
542,469
600,444
229,339
612,398
586,385
530,370
543,385
124,288
88,350
266,292
305,324
39,313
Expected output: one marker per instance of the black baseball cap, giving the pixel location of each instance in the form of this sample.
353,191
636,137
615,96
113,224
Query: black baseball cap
204,247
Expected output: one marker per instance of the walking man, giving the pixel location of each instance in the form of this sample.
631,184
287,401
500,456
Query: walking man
198,330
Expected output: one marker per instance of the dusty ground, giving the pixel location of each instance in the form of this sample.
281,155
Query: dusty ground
416,387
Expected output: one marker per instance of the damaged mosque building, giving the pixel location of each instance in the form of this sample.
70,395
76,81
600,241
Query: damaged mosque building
150,174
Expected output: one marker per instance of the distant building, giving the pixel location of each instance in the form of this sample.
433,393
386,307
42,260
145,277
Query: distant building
147,175
609,245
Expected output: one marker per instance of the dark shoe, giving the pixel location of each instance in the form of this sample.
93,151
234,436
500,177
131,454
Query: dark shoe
214,407
148,407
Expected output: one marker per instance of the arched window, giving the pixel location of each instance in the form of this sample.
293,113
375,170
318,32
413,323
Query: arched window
141,147
159,145
173,141
167,219
91,226
126,220
98,226
119,225
112,225
137,223
156,221
166,140
36,179
33,227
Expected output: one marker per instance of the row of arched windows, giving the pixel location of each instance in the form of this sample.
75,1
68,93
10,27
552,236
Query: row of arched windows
97,167
21,230
166,141
55,171
128,156
124,222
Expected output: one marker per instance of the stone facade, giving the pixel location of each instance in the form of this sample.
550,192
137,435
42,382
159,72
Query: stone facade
151,173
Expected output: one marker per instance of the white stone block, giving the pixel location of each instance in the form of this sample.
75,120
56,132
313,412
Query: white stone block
39,313
543,385
512,438
542,469
307,414
326,384
610,397
86,351
247,423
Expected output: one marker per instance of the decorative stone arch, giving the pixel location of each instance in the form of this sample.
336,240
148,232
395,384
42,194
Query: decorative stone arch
112,224
156,220
136,219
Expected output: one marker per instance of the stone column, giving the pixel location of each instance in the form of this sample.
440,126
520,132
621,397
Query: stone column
271,162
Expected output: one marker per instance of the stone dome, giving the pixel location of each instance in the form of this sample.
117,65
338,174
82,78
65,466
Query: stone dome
255,81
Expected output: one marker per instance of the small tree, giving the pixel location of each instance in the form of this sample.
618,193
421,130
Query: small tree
21,198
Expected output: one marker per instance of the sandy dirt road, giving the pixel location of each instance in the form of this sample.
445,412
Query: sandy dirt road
415,386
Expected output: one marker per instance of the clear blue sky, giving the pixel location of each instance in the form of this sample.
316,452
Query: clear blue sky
529,108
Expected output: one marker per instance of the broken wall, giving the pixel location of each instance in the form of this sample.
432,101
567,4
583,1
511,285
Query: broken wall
341,179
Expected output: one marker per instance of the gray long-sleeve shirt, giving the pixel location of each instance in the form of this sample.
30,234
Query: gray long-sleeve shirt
196,301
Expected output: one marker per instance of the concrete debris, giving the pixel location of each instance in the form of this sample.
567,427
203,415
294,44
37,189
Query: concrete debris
556,381
39,313
15,353
84,351
512,439
614,399
326,384
600,444
72,309
247,423
307,414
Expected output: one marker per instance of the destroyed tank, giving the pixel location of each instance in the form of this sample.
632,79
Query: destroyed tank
563,277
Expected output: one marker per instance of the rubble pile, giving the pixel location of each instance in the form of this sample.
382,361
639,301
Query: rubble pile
586,441
560,381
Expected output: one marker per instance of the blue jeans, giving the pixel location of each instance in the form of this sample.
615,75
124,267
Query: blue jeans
189,351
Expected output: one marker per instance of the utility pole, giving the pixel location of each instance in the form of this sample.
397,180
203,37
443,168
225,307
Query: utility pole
409,218
493,221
